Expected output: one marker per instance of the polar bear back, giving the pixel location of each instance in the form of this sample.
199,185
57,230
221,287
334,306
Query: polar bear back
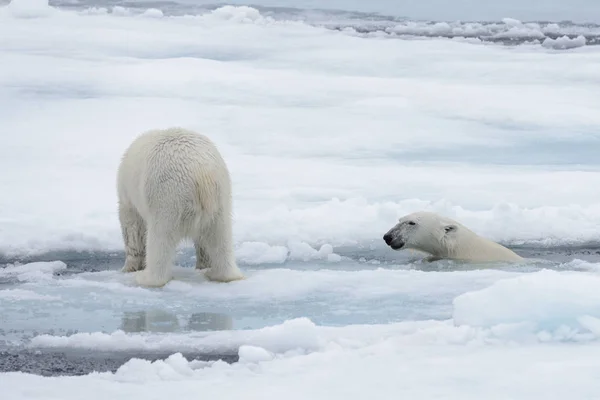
174,168
467,245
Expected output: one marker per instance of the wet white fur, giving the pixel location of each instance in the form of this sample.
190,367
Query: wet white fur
445,238
173,184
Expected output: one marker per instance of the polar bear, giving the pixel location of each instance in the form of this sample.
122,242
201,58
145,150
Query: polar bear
172,184
443,237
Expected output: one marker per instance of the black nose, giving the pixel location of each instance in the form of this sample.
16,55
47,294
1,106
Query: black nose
388,238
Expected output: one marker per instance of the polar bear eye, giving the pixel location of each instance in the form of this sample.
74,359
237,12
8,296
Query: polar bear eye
411,223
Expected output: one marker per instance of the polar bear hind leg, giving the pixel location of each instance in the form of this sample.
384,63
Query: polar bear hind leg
202,260
161,244
133,229
218,245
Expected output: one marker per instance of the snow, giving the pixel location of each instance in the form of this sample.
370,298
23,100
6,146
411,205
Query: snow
330,137
441,375
152,13
428,360
357,143
257,253
468,10
253,253
548,298
254,354
453,358
507,29
33,271
20,294
564,42
29,8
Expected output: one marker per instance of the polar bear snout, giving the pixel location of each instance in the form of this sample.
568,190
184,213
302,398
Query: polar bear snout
393,239
388,238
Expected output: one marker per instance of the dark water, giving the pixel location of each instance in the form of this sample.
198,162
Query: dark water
78,362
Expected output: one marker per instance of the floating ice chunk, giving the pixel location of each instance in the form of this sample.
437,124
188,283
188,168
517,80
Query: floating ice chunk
254,253
30,8
121,11
33,271
334,258
551,28
512,22
299,333
254,354
175,367
152,13
547,299
564,43
441,28
520,32
326,251
471,29
533,25
237,14
117,340
294,335
305,252
95,11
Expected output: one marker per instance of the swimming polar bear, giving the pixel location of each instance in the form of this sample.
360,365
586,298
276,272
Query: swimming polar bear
444,238
173,184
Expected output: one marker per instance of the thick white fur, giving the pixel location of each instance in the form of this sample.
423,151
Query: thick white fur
173,184
445,238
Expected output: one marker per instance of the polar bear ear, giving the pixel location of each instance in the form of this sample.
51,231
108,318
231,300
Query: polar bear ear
449,228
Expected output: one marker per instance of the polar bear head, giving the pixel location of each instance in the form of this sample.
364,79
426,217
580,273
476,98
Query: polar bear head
425,231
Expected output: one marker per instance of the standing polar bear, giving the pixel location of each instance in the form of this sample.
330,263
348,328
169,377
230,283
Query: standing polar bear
173,184
444,238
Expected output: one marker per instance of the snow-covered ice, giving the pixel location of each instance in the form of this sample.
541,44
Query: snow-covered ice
362,131
330,135
564,42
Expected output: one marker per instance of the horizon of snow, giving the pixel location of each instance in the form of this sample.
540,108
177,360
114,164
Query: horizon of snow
361,24
582,11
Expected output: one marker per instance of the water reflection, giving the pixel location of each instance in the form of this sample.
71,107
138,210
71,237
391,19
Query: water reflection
162,321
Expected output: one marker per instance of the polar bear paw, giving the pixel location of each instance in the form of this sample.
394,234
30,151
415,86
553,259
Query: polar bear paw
133,264
201,266
228,276
143,278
